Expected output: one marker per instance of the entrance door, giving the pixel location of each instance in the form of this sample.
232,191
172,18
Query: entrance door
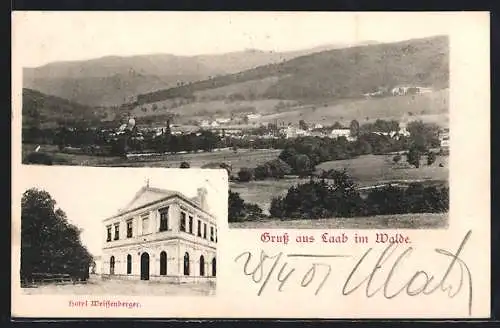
145,266
112,265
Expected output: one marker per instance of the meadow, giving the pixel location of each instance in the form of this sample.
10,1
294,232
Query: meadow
372,169
366,171
432,107
242,158
400,221
428,107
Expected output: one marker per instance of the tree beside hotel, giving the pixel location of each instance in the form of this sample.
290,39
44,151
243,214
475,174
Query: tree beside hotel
49,243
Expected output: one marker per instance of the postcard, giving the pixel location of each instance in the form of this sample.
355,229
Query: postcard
251,165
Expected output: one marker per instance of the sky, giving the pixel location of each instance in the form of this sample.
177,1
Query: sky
88,194
43,37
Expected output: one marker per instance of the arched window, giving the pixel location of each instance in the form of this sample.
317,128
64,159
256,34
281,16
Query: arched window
186,264
145,266
129,264
202,266
112,265
214,264
163,263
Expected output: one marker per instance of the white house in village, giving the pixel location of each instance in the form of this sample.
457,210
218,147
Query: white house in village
161,235
223,120
396,134
294,132
336,133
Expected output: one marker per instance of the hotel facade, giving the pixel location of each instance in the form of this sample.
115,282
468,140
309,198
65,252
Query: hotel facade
161,235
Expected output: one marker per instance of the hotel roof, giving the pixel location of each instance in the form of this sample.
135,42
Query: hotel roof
149,195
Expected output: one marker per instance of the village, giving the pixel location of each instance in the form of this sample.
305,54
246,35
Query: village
223,129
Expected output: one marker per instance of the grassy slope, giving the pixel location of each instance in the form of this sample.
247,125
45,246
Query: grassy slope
339,73
215,108
366,170
325,79
42,108
112,80
255,87
244,158
102,91
431,106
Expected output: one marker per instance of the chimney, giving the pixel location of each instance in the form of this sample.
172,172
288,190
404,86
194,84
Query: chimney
202,198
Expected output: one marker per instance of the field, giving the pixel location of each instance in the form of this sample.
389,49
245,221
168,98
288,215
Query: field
70,159
428,107
208,108
256,87
261,192
372,169
96,286
366,170
402,221
243,158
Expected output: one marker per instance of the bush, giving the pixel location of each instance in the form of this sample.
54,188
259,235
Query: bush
245,174
261,172
387,200
413,157
319,199
252,211
238,210
396,158
273,169
278,168
301,164
277,209
431,158
185,165
39,158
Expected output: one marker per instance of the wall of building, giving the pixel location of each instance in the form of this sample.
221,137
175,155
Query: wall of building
175,207
175,250
174,241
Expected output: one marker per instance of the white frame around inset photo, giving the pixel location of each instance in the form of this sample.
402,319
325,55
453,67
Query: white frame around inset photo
107,207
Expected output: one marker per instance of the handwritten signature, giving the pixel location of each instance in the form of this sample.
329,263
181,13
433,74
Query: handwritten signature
420,283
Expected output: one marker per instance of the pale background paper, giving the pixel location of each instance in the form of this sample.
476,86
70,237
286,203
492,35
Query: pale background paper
236,294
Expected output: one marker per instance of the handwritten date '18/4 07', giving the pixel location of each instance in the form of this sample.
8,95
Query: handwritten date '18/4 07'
420,283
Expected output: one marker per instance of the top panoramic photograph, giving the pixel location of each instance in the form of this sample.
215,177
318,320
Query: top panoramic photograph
337,120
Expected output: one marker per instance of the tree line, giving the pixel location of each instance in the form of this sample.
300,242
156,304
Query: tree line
339,196
301,155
